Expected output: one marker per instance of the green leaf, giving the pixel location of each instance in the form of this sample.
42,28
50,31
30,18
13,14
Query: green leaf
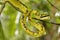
8,21
2,36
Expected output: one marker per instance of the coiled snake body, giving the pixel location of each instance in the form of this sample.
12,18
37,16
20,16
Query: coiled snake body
17,4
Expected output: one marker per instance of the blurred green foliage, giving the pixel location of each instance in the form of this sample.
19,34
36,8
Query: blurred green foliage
9,14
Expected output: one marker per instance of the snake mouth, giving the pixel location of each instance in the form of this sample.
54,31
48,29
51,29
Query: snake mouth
44,16
47,17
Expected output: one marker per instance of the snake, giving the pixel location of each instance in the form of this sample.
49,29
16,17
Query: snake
19,6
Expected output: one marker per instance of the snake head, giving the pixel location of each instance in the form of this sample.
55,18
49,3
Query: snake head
41,16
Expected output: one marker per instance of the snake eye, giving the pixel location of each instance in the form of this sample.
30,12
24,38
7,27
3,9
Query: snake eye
17,0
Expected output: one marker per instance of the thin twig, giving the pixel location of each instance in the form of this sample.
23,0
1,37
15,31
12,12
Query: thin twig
53,5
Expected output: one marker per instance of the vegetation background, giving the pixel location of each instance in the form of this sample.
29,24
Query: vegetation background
10,28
